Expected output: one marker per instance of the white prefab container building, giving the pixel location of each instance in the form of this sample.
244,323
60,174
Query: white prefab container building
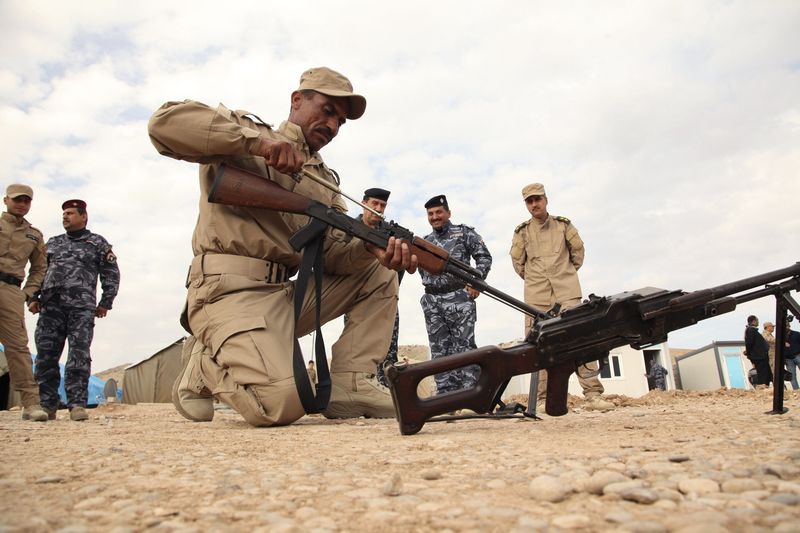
720,364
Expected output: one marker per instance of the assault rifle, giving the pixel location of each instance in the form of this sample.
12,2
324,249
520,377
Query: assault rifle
239,187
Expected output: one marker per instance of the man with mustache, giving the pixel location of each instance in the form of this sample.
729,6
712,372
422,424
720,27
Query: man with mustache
239,303
448,304
68,307
546,252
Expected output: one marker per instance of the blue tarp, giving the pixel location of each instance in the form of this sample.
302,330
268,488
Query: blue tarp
96,386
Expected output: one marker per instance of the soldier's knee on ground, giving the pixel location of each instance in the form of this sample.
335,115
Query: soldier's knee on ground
276,404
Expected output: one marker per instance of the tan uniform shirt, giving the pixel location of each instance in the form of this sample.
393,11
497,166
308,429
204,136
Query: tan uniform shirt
547,256
193,131
21,243
770,338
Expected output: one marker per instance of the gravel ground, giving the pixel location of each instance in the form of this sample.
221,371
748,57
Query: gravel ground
677,461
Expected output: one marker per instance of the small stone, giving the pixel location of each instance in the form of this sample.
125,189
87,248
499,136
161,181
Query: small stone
639,495
784,498
698,486
622,486
548,488
738,485
393,487
645,526
619,517
50,479
601,478
572,521
430,474
678,458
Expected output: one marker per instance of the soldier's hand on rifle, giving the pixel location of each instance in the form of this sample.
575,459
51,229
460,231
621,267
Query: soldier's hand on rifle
280,155
396,256
473,293
100,312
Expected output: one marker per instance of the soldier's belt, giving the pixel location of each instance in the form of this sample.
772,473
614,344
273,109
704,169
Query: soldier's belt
11,280
444,289
242,266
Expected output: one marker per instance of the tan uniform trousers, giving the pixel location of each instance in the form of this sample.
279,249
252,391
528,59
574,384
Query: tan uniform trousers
247,326
14,337
587,374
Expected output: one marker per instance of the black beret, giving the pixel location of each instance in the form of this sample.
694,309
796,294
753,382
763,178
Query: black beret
437,201
79,204
377,193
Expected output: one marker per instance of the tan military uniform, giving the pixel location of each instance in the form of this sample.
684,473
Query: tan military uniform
240,300
20,243
770,338
547,256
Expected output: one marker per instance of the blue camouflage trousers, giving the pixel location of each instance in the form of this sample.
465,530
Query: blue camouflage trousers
450,321
391,355
56,325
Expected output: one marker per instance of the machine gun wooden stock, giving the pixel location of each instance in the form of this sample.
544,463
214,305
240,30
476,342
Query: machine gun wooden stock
238,187
585,333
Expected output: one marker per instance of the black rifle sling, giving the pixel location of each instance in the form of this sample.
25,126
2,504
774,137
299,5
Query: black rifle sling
310,240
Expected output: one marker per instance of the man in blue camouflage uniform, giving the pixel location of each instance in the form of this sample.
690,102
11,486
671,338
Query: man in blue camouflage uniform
659,375
449,305
376,199
68,306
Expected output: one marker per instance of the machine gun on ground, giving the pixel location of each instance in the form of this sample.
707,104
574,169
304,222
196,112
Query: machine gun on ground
586,333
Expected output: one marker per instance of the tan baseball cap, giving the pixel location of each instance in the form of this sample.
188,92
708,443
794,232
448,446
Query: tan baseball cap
533,189
17,189
327,81
768,324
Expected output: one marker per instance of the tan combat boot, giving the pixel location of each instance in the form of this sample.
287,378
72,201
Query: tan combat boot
597,403
190,396
78,414
34,413
355,394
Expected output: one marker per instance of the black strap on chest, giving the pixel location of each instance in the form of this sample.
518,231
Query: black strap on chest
310,240
11,280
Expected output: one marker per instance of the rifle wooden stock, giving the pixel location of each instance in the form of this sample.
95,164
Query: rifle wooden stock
236,186
430,257
496,366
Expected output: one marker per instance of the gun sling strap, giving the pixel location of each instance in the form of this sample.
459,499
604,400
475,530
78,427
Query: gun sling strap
310,240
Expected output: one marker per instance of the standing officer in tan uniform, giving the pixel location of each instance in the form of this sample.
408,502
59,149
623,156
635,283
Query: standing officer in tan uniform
547,252
20,243
239,303
769,336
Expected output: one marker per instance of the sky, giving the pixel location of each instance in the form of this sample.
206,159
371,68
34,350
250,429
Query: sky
668,132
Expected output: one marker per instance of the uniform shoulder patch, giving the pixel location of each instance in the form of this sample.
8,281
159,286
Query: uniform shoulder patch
520,226
110,257
565,220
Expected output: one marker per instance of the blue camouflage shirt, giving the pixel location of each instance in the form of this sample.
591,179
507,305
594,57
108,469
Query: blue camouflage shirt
74,262
462,243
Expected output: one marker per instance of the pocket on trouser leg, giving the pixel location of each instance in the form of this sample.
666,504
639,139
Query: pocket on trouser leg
250,375
273,405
